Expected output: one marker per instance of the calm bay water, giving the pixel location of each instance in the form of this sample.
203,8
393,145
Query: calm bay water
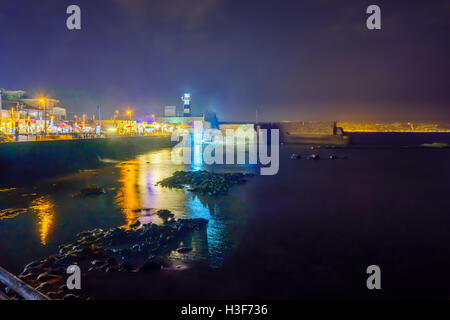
309,231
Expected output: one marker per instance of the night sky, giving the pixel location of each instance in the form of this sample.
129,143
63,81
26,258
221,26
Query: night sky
291,60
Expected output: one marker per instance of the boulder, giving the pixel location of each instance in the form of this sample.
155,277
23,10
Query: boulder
165,214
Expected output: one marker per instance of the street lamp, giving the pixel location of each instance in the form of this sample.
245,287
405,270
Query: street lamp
129,114
43,100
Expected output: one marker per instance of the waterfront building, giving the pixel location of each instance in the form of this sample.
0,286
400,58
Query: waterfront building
19,111
170,111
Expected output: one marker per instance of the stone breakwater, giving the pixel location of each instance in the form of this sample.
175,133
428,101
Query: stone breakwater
204,182
143,248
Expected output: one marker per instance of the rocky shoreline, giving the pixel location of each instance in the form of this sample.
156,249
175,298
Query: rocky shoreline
140,249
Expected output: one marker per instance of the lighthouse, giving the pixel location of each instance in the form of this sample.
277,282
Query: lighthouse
186,98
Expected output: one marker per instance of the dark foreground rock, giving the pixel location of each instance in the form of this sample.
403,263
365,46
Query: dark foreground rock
114,251
204,182
314,157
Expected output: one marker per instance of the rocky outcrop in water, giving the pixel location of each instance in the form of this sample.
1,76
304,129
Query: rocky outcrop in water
204,182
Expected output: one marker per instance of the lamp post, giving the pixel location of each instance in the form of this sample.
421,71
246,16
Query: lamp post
130,113
43,100
13,125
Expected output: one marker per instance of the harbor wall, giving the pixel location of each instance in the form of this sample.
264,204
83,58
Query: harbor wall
21,161
309,133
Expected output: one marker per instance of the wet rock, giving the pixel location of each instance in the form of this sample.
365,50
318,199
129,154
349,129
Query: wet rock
184,250
58,271
46,276
84,234
314,157
91,191
42,286
32,264
63,287
204,182
28,276
165,214
97,263
142,209
112,250
111,261
126,266
136,224
48,262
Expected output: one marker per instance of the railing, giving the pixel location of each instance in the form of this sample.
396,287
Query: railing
19,287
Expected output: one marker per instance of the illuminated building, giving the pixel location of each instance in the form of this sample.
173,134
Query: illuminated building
170,111
28,114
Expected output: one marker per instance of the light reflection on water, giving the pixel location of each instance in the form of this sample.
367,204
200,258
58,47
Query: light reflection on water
44,209
138,191
36,219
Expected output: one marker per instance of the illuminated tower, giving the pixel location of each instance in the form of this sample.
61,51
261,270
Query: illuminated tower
186,98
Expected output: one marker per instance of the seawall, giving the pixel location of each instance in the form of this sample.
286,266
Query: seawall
309,133
22,161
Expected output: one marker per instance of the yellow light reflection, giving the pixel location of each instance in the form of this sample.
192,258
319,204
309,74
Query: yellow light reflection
44,207
127,198
138,190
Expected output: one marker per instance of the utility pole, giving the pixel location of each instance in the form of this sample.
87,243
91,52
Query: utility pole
1,110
